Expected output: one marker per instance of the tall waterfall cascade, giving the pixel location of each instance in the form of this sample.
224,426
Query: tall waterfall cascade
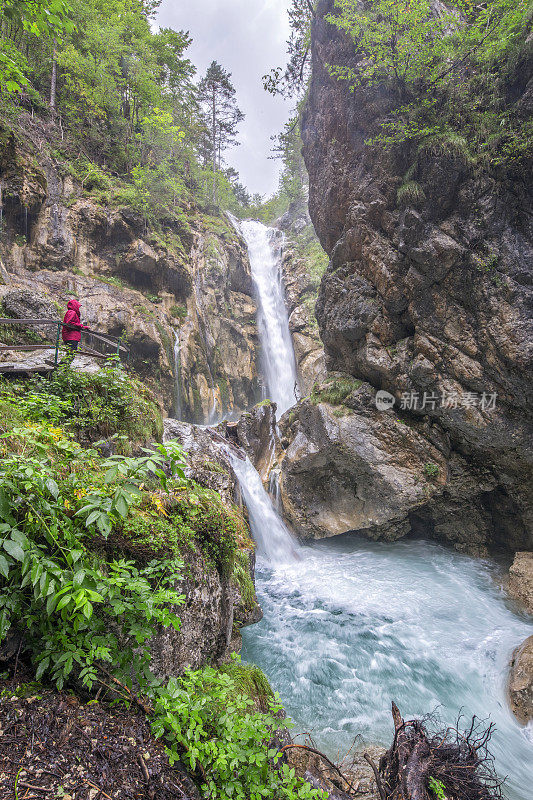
350,624
265,249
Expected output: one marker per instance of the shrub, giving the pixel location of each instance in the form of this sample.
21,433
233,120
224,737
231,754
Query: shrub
178,311
335,390
77,610
105,404
410,194
431,471
210,725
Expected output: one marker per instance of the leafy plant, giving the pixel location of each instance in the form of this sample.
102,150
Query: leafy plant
210,725
438,788
107,403
449,74
51,584
431,471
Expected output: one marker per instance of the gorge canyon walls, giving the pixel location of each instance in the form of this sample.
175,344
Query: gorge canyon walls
421,300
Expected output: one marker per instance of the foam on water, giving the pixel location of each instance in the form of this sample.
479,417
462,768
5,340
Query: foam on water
352,625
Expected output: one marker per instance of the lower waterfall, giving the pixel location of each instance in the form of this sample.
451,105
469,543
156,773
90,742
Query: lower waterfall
272,537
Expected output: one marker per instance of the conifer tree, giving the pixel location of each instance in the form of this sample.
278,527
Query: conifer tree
217,95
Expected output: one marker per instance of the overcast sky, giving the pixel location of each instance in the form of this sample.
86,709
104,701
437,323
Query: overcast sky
248,38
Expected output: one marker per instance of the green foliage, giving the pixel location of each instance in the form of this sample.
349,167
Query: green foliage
51,584
89,618
210,725
112,280
248,679
178,311
107,403
29,22
242,578
431,471
335,390
410,194
136,132
104,509
450,74
437,787
292,79
218,528
221,117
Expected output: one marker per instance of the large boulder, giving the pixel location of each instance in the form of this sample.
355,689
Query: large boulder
348,466
521,580
521,682
363,471
256,433
206,621
23,303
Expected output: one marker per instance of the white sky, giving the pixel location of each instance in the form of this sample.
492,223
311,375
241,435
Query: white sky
248,38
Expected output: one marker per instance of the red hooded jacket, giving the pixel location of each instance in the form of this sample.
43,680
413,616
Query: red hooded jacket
72,317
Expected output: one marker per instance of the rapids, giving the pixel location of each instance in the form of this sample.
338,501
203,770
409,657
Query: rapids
350,625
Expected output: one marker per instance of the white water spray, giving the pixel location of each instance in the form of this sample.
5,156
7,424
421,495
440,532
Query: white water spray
265,250
177,375
271,536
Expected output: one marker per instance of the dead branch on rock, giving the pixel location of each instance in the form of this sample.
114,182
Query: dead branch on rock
332,766
460,763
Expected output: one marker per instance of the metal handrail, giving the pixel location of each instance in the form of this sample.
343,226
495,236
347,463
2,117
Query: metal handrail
112,341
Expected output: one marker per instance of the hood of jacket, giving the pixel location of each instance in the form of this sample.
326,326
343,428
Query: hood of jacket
74,305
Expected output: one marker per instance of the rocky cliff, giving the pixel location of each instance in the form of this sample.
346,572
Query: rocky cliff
302,266
430,303
63,236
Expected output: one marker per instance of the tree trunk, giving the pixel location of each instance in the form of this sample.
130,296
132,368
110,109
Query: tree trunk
53,80
213,133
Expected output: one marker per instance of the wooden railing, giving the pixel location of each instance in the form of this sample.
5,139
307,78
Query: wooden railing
113,345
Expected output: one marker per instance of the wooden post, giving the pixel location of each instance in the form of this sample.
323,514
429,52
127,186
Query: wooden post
57,343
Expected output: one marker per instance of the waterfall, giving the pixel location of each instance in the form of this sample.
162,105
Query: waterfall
271,536
177,374
265,249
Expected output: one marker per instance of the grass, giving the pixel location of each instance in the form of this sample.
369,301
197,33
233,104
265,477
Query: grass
335,390
243,579
249,680
410,194
112,280
448,144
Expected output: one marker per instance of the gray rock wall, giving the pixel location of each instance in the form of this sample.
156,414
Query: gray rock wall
433,299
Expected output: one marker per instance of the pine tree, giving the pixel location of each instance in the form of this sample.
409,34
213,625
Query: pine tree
217,95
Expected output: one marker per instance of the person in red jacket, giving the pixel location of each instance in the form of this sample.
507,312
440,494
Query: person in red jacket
72,334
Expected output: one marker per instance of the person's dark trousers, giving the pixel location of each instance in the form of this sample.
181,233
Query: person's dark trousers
70,348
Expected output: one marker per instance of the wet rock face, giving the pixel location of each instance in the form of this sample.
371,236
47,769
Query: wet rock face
521,682
213,604
300,296
58,243
255,432
521,581
434,299
219,341
206,622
